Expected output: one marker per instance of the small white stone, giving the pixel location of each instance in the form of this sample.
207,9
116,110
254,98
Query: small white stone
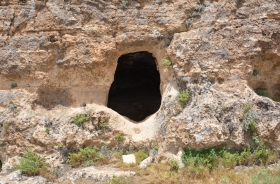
129,159
145,163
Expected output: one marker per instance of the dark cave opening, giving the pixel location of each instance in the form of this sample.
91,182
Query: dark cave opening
135,92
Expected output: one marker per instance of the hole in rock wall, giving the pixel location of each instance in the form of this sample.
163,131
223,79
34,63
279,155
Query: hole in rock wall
265,79
135,92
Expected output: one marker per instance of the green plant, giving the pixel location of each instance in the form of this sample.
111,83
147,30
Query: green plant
124,4
115,179
120,137
59,145
47,130
167,63
184,97
214,157
189,22
85,157
198,9
140,156
155,145
79,119
255,72
12,108
103,124
265,93
266,177
32,132
173,163
13,85
6,126
31,164
249,121
246,108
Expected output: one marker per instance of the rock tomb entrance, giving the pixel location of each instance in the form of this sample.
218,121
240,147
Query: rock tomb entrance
135,92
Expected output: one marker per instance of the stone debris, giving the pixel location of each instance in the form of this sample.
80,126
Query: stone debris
129,159
145,163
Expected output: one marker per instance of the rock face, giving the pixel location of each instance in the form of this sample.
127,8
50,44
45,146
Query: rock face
57,56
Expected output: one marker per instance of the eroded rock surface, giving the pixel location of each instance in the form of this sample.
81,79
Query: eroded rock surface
57,56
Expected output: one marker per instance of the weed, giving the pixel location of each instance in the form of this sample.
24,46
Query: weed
155,145
167,63
214,157
12,108
115,179
103,124
31,164
13,85
249,121
184,97
120,137
189,22
198,9
140,156
266,177
124,4
59,145
246,108
31,132
47,130
255,72
173,163
179,108
6,126
85,157
79,119
265,93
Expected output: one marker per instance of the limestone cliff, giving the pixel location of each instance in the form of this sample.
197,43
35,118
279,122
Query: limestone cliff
59,57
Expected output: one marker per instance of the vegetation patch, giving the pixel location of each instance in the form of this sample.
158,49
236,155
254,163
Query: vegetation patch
140,156
120,137
184,97
197,12
174,164
215,157
167,63
249,118
79,119
86,157
103,124
31,164
265,93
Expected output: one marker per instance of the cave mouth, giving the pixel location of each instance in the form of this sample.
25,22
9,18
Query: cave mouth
135,92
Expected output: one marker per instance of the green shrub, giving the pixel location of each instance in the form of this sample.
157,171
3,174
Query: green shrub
6,126
167,63
184,97
13,85
31,164
115,179
79,119
84,157
265,93
120,137
249,121
155,145
103,124
255,72
266,177
214,157
47,130
173,163
140,156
